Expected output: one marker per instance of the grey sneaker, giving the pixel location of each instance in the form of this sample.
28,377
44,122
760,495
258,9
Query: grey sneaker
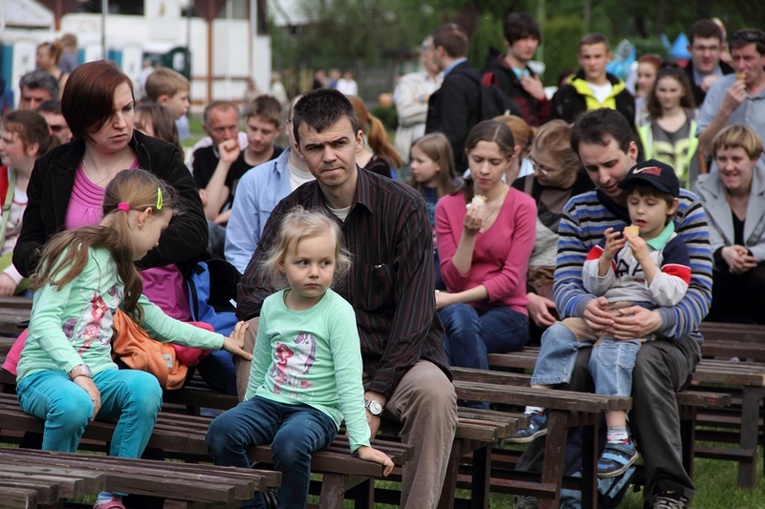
664,502
526,502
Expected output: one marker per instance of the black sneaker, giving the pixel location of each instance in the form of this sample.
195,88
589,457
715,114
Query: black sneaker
665,502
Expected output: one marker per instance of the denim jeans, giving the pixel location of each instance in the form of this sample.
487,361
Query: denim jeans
471,333
294,432
132,397
611,365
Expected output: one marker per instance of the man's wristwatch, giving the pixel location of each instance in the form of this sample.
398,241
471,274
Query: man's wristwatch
81,370
374,407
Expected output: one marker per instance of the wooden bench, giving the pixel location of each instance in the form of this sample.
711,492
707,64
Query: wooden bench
199,486
566,409
477,431
27,485
13,310
694,405
181,436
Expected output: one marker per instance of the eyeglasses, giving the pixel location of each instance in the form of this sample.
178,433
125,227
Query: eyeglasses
749,36
540,168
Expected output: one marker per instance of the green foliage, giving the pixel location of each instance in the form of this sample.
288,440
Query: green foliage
652,45
387,115
488,34
561,35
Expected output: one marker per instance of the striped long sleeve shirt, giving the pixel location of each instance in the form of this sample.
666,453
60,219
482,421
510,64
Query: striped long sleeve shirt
585,219
390,284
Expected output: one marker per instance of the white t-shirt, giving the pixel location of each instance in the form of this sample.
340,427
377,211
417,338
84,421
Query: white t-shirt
601,92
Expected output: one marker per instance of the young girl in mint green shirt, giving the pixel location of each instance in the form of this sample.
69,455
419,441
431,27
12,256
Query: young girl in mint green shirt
306,369
65,372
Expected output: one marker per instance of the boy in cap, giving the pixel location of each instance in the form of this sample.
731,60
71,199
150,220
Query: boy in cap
645,264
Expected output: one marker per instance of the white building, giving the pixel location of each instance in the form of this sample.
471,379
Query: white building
225,44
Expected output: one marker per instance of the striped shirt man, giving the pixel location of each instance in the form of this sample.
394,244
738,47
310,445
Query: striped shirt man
585,219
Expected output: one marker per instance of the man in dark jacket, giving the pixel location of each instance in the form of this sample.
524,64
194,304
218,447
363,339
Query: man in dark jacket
592,87
511,72
705,44
456,107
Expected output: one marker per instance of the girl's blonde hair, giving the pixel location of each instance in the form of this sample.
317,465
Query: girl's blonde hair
522,131
377,136
437,147
297,225
66,254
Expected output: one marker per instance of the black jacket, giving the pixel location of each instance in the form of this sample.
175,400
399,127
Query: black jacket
497,72
50,188
569,103
698,94
455,108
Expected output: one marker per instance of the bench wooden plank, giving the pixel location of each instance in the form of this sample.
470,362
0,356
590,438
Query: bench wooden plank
18,498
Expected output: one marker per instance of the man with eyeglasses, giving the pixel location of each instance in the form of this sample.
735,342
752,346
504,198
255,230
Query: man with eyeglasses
737,98
705,44
51,112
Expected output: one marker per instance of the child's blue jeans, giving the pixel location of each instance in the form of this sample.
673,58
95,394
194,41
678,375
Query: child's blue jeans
132,397
611,362
294,432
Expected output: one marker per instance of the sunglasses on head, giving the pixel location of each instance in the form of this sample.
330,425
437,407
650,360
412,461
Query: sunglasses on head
749,37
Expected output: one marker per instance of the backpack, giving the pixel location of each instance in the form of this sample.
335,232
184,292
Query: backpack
211,284
494,100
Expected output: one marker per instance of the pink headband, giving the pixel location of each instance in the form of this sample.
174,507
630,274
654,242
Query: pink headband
123,206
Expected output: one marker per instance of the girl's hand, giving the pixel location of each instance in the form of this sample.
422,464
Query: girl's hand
234,343
614,242
638,247
371,454
89,386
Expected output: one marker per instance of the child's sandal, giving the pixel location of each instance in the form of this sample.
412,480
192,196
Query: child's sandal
616,459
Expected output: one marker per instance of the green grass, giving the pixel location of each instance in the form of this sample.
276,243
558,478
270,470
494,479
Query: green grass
716,488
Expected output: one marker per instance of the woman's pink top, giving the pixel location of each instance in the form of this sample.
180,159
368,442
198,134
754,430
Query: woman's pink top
501,253
164,286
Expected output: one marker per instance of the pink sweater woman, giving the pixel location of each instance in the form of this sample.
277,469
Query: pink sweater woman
484,248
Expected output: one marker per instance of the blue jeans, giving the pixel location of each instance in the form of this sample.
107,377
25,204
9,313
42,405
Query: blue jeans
471,334
610,365
294,432
131,397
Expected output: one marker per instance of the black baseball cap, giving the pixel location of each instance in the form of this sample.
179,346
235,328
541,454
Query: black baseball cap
660,175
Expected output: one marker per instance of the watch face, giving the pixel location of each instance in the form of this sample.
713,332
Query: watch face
375,407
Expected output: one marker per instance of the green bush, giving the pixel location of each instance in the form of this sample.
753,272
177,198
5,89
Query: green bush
562,34
387,115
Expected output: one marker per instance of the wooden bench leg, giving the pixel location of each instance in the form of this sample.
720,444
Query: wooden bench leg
481,478
589,465
750,412
688,436
364,495
332,491
449,490
555,449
